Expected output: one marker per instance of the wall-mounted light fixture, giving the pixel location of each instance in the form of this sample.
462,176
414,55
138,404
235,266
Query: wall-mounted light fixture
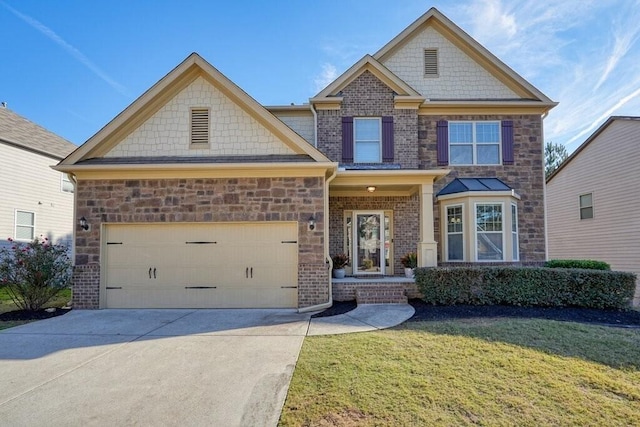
312,223
371,188
84,224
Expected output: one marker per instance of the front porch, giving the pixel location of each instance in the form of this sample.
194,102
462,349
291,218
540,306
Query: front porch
374,290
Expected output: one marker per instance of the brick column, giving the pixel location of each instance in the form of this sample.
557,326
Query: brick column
427,246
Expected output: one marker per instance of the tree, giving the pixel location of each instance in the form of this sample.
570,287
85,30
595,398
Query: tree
35,272
554,155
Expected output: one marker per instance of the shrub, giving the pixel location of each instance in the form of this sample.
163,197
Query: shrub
526,286
578,263
35,272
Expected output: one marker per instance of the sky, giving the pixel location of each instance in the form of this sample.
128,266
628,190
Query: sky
72,65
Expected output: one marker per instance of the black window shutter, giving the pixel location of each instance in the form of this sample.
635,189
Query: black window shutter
442,136
347,140
387,139
507,142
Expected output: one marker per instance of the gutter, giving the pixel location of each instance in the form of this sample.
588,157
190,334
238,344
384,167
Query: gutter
328,259
315,124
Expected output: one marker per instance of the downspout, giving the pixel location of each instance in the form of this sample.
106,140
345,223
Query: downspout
315,125
328,259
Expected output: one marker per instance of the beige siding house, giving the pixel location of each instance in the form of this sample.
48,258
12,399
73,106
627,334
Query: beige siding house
197,196
590,214
35,200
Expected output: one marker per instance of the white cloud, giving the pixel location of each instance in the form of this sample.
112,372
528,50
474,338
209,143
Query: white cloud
50,34
328,74
583,54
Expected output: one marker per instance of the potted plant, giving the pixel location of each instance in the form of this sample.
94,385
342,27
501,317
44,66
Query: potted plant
409,261
339,261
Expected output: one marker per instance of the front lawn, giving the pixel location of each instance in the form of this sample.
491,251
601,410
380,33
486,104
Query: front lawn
469,372
6,306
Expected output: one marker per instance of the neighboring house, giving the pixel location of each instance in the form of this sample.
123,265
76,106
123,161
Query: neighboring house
590,214
35,200
197,196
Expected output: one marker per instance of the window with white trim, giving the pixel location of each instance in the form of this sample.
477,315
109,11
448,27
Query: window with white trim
489,235
455,233
515,246
25,225
474,143
66,186
367,139
586,206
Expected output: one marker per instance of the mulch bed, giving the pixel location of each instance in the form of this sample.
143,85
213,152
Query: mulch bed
428,313
30,315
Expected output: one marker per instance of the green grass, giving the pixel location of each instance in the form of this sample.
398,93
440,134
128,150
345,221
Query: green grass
487,372
7,305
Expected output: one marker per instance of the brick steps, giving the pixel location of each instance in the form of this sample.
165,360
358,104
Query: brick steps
379,293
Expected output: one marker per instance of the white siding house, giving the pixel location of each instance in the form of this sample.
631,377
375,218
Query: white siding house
34,199
593,208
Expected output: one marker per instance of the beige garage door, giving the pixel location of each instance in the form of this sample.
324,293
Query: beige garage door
223,265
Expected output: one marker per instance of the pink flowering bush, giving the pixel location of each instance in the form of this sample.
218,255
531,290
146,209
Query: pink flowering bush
35,272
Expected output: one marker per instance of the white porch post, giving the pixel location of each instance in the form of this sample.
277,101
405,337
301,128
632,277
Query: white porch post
427,246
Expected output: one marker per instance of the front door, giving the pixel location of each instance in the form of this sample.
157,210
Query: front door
369,249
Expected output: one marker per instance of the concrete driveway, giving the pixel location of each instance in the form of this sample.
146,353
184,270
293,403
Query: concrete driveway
150,367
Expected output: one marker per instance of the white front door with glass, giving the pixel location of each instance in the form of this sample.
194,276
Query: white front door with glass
368,241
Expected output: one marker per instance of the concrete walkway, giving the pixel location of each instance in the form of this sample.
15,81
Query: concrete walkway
366,317
162,367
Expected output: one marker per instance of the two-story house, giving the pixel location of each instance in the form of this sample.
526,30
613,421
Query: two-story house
198,196
34,199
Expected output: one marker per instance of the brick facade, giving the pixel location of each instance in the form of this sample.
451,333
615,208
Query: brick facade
367,96
525,176
202,200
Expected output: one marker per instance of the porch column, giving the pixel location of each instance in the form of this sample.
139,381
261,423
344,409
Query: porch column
427,246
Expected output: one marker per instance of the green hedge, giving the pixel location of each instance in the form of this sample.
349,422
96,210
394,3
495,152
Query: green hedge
526,286
578,263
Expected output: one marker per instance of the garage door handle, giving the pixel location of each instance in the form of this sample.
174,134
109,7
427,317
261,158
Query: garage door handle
149,272
288,287
114,287
154,273
246,273
201,243
200,287
252,272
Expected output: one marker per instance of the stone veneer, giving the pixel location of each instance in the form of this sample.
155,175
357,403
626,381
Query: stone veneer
525,176
367,96
202,200
405,222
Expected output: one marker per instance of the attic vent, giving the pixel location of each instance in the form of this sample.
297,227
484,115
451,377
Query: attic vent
199,126
431,62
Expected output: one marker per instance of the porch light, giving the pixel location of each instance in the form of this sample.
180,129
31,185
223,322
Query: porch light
371,189
84,224
312,223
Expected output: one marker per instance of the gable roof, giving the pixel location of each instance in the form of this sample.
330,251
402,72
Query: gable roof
153,99
368,63
589,140
434,18
17,131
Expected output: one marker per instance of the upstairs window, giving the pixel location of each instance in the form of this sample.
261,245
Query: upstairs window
367,140
431,62
474,143
25,225
586,206
199,126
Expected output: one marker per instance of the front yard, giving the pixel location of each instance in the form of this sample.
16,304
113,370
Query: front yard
7,306
469,372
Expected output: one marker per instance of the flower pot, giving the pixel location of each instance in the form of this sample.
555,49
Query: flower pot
338,273
408,273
